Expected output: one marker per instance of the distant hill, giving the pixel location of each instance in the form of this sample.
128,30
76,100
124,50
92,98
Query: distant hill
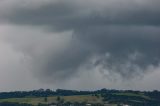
65,97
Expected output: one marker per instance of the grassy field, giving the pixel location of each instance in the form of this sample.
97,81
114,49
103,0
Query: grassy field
133,94
79,98
35,101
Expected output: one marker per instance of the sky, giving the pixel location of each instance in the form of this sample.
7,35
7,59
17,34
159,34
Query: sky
79,44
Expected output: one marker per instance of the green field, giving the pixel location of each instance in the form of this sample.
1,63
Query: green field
133,95
93,99
36,100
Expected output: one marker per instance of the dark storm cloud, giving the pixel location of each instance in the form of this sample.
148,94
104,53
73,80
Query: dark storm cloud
129,49
123,34
76,15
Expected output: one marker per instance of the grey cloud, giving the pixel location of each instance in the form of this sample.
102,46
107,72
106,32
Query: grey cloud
130,50
126,30
74,15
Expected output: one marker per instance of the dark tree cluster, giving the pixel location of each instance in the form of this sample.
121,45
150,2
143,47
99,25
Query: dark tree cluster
42,93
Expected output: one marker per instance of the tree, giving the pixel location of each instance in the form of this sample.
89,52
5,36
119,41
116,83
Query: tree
97,95
45,99
58,98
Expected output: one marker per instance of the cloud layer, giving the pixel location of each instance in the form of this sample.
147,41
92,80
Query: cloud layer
63,38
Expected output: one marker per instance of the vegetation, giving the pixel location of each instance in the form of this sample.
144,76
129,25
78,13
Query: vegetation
55,99
79,98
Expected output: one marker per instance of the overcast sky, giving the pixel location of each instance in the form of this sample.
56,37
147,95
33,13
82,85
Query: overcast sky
79,44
